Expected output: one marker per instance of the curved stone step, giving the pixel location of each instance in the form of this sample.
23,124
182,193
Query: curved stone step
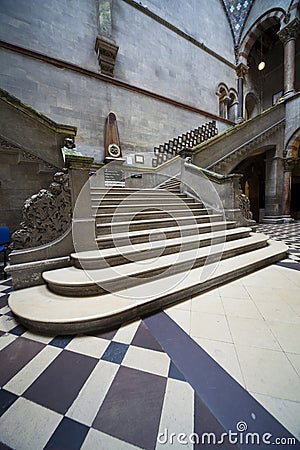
139,207
75,282
136,225
97,259
132,200
40,309
149,214
136,237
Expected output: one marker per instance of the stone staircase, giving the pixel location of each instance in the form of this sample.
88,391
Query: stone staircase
152,249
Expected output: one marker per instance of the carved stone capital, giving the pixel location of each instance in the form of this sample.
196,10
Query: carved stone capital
289,163
290,31
241,70
107,52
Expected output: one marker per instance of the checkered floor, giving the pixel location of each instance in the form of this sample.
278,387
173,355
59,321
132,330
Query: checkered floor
286,232
117,390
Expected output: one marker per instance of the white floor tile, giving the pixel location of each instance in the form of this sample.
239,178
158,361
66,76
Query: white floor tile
244,308
278,310
269,372
211,304
177,415
27,425
223,353
86,406
6,339
23,379
88,345
126,333
181,317
252,332
97,440
210,326
147,360
233,291
7,323
45,339
295,361
288,335
285,411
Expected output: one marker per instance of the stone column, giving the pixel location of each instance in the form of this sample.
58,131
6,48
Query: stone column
241,71
288,36
289,163
273,189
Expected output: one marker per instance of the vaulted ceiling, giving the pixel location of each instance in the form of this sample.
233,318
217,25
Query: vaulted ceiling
237,12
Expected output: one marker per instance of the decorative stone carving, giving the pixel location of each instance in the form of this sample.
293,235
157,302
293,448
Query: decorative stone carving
290,31
69,148
107,52
244,205
46,215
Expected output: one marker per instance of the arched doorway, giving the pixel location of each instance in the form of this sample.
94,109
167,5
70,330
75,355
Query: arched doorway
251,106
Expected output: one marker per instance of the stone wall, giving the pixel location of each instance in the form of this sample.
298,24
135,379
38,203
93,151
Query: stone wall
151,56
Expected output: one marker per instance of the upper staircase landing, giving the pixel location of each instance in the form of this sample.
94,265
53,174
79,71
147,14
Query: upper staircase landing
152,248
225,151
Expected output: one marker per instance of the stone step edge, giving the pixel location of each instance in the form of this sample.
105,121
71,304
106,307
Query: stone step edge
193,227
43,311
208,217
113,279
153,212
93,255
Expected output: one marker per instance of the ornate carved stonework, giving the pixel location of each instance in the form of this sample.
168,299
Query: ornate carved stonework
244,205
107,52
290,31
241,70
46,215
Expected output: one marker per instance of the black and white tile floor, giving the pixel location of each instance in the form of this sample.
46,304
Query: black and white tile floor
125,389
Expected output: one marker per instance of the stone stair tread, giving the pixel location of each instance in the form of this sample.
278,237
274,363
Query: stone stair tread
195,227
127,250
151,211
77,277
160,220
43,310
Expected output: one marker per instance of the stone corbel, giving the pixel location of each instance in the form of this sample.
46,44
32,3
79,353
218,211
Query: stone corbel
105,45
106,51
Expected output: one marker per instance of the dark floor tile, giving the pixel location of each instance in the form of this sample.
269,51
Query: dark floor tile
9,314
289,265
7,283
132,407
3,300
18,330
143,338
115,352
175,373
58,386
208,429
6,400
16,355
69,435
61,341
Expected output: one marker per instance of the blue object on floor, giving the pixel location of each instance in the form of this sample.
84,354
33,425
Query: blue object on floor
4,243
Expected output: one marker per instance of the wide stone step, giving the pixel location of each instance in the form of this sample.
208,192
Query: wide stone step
138,194
135,225
97,259
149,214
75,282
45,311
139,207
137,200
136,237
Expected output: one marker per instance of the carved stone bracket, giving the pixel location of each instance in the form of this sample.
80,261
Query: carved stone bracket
241,70
46,215
107,52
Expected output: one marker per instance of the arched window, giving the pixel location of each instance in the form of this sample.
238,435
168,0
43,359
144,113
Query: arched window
228,101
